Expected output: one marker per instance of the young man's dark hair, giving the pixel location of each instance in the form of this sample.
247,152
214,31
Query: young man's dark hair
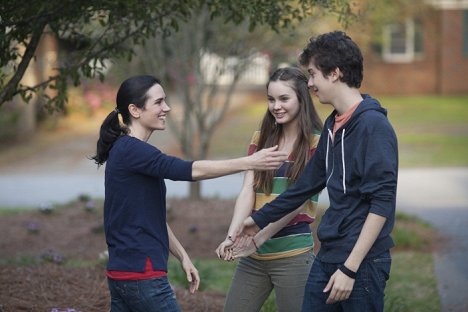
332,50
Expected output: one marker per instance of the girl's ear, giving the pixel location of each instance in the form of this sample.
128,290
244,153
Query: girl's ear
134,110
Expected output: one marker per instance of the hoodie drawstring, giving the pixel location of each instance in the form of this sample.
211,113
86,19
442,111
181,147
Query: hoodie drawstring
330,138
330,135
343,160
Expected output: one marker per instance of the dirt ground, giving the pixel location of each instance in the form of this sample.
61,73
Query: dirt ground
43,255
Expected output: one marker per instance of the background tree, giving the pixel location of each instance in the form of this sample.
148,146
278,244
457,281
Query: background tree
195,58
181,33
97,31
202,63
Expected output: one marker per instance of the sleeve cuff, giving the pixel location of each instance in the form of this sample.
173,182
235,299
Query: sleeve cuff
259,221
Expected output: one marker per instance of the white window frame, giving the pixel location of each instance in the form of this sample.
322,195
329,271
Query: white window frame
409,54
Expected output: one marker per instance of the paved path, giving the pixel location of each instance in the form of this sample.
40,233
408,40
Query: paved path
439,196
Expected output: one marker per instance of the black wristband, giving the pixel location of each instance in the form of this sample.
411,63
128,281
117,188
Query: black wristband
347,271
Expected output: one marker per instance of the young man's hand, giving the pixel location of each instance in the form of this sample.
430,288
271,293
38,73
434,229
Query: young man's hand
340,287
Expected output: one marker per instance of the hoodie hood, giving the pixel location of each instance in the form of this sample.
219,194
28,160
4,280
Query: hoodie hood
367,104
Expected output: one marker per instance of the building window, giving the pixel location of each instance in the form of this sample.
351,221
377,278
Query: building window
402,42
465,32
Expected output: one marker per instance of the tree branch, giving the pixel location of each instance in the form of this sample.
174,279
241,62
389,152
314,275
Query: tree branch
9,91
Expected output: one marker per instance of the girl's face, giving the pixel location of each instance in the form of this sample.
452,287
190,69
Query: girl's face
283,103
156,109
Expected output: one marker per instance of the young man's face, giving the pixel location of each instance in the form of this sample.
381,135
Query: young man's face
319,84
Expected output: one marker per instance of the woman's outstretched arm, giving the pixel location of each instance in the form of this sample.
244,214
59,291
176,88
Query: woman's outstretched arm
265,159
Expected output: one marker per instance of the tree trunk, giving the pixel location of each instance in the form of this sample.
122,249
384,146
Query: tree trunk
195,190
39,69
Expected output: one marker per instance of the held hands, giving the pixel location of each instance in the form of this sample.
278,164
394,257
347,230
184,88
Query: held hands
192,274
224,250
340,285
243,246
240,245
267,159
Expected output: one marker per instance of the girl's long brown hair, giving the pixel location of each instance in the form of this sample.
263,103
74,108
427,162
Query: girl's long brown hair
270,132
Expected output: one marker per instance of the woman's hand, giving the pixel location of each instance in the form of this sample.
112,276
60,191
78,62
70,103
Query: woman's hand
224,249
192,274
267,159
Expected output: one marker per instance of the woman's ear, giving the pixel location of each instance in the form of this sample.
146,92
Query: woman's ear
134,110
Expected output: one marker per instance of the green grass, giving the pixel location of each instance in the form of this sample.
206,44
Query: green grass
410,233
432,131
412,285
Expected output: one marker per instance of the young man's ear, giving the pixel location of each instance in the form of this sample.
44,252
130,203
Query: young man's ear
134,111
336,74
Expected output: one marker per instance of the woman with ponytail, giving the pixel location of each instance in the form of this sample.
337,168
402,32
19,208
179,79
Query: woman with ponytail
137,235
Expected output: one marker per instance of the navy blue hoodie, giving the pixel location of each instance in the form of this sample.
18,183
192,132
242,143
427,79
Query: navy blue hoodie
359,168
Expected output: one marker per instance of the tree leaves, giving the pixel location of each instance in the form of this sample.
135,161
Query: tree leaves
95,31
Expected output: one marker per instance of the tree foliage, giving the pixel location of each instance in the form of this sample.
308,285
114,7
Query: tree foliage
202,64
101,30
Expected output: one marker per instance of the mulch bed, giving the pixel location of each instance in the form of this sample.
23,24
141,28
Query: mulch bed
44,257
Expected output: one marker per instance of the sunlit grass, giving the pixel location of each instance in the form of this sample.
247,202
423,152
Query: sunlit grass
431,131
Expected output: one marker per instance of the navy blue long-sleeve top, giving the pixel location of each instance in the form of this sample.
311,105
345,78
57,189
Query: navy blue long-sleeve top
359,168
135,203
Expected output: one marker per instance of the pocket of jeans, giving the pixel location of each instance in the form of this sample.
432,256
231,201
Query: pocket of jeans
132,291
383,266
159,287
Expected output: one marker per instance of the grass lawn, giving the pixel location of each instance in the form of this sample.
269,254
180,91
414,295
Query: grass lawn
432,131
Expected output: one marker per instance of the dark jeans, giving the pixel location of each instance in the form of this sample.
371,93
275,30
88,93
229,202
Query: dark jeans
367,294
152,295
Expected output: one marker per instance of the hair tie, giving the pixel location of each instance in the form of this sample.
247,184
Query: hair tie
116,110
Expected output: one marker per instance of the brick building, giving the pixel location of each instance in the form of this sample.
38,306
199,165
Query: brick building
427,54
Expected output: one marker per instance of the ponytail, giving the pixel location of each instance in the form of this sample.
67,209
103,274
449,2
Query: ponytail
132,91
111,129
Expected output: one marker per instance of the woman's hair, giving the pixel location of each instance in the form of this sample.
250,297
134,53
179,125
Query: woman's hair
271,132
132,91
335,50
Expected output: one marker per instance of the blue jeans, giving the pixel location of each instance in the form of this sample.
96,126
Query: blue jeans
368,291
152,295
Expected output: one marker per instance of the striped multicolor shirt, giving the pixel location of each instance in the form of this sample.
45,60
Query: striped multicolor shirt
296,237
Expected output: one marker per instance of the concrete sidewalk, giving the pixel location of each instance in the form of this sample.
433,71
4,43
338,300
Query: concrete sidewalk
440,197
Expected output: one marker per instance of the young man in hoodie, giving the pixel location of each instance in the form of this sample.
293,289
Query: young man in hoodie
357,161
